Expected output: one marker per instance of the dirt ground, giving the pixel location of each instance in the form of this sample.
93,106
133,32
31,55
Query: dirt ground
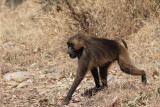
37,72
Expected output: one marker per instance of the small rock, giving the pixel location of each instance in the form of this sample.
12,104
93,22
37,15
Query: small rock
155,74
25,83
77,99
34,66
17,76
5,68
10,44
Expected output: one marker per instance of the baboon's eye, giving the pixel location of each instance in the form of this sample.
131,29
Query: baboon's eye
72,47
70,44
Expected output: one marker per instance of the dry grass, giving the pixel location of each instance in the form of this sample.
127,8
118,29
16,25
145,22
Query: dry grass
34,41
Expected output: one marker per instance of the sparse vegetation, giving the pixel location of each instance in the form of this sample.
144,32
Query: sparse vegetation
33,40
140,99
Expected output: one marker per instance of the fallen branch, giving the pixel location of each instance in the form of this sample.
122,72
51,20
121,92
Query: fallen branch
81,17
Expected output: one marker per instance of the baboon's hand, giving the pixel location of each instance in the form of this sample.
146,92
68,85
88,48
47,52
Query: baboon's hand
65,102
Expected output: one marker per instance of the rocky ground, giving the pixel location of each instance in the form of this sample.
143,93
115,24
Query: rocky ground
37,72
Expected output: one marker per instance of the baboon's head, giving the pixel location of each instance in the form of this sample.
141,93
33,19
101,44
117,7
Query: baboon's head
76,44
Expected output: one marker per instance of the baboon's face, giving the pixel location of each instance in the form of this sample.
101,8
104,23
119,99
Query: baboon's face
73,51
76,45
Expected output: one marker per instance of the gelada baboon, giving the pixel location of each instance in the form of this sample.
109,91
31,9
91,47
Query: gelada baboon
98,52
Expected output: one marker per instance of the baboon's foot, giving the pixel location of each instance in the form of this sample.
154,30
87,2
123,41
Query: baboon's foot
144,79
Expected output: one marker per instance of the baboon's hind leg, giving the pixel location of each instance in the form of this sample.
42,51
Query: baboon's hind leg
127,66
104,73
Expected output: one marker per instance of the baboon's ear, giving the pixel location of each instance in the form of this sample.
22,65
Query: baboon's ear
82,43
78,44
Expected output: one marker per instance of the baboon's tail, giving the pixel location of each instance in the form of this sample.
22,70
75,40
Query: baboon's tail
124,43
